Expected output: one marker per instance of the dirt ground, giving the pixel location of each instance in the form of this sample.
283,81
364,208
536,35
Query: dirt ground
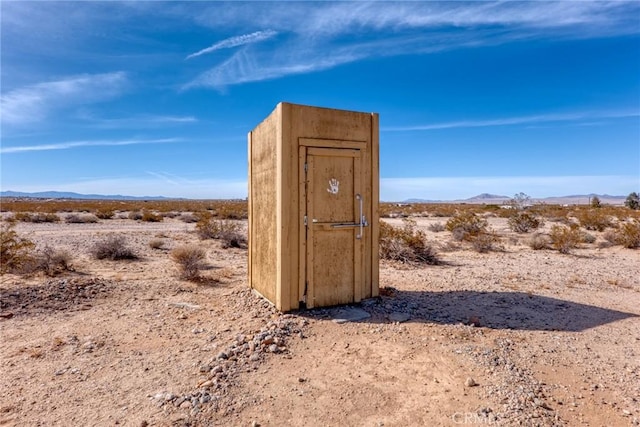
510,337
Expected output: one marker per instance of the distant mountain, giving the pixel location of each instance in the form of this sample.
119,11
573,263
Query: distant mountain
494,199
70,195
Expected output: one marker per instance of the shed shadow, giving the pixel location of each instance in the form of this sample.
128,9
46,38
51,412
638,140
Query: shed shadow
494,310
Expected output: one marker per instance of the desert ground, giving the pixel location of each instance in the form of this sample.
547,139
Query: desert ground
514,336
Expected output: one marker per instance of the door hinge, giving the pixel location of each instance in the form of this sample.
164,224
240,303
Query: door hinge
305,220
306,167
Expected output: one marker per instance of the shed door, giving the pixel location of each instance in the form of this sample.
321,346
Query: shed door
334,249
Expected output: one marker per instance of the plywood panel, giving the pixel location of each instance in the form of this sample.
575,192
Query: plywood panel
263,232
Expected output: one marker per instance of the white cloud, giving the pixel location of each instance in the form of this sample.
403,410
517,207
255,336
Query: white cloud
450,188
34,103
78,144
319,36
543,118
244,39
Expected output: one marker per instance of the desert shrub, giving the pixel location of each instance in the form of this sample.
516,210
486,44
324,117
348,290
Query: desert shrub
149,216
170,214
523,222
593,219
229,232
595,202
36,217
485,242
135,215
633,201
539,241
564,238
628,235
466,225
189,259
587,237
437,227
52,261
156,244
113,247
610,236
188,218
80,219
15,251
104,213
406,244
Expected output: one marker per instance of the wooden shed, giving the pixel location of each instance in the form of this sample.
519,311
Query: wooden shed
313,206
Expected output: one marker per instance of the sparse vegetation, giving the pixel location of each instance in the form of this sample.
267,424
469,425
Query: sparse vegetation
524,222
633,201
593,219
228,231
564,238
406,244
149,216
36,217
15,251
189,259
113,247
595,202
80,219
104,213
437,227
628,235
539,241
52,261
135,215
466,226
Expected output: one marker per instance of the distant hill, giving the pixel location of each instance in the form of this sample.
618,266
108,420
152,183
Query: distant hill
70,195
494,199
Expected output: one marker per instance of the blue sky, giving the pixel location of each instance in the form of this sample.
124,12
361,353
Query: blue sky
155,98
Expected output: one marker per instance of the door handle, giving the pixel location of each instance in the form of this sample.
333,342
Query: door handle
362,219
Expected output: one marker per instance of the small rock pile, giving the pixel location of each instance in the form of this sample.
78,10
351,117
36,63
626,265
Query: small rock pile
521,395
220,373
54,295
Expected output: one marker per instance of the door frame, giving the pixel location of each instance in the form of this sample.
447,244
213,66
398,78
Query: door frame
305,289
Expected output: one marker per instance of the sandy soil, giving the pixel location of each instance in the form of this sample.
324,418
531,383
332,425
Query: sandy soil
514,337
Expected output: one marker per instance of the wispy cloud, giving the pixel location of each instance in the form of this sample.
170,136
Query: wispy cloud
137,121
34,103
318,36
78,144
543,118
244,39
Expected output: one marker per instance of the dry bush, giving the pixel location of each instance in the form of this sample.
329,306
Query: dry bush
486,242
593,219
15,252
587,237
36,217
437,227
81,219
189,258
171,214
564,238
156,244
406,244
628,235
466,225
230,232
135,215
113,247
539,241
52,261
104,213
149,216
188,218
524,222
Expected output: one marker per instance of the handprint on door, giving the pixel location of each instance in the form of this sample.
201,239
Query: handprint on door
334,186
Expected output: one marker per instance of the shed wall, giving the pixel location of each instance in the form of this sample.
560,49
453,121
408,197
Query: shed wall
263,170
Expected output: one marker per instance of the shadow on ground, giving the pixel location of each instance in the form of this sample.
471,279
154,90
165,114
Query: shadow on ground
495,310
